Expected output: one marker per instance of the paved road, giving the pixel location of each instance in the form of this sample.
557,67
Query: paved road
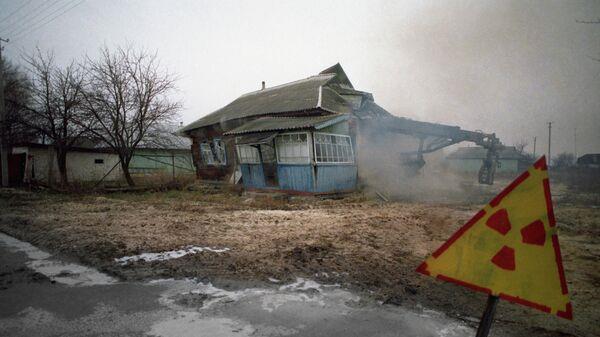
42,295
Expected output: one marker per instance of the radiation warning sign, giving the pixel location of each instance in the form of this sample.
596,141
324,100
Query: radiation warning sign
510,248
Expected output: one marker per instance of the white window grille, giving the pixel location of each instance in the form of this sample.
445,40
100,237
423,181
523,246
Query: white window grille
248,154
292,148
213,153
333,149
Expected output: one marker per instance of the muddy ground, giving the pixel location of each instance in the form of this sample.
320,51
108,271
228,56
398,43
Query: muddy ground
358,241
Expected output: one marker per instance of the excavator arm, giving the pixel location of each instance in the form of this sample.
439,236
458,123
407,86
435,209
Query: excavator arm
433,137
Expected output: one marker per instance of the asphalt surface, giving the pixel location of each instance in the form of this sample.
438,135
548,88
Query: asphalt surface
45,295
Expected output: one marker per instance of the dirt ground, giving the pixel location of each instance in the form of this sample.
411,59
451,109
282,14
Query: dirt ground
360,242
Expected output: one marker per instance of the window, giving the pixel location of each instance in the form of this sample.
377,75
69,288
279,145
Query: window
333,149
213,153
292,148
248,154
98,161
219,151
268,153
206,153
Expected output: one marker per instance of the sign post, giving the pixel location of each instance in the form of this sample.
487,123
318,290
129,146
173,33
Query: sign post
509,250
488,316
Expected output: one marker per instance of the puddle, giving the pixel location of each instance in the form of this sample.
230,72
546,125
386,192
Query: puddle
301,308
56,270
169,255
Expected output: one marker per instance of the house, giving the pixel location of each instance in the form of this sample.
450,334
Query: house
38,163
315,135
469,159
297,136
590,160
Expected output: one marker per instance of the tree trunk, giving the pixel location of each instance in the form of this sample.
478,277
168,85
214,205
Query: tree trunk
125,168
61,158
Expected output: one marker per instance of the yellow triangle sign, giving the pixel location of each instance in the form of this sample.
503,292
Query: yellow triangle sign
510,248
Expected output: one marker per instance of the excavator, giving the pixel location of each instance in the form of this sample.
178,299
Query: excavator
433,137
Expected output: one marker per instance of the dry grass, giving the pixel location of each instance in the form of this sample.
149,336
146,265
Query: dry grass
355,241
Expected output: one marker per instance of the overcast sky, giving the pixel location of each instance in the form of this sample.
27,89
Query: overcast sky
504,67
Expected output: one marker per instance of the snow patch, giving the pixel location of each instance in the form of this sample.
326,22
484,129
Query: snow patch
56,270
173,254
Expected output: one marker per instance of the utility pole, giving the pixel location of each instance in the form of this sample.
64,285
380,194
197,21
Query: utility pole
534,141
575,142
3,141
549,140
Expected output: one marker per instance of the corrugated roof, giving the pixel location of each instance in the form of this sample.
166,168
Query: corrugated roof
288,123
509,152
306,94
371,109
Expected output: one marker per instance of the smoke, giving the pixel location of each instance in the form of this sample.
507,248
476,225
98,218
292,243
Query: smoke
383,169
506,67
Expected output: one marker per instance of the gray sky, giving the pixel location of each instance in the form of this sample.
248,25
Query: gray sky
502,66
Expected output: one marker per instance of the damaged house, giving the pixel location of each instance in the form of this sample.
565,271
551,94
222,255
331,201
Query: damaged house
307,136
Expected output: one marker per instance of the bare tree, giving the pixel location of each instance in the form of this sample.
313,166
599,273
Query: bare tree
590,22
564,160
54,109
127,95
17,95
521,145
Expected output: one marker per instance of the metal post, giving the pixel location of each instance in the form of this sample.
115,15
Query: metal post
488,317
3,139
534,141
173,164
575,142
549,141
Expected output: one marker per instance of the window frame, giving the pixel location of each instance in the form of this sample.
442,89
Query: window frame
222,148
308,147
350,147
238,147
213,148
203,157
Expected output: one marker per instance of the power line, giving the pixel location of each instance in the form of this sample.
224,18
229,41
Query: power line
21,20
15,11
30,20
25,32
27,18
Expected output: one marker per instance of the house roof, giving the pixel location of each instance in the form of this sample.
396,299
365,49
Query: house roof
589,158
371,109
307,94
288,123
508,152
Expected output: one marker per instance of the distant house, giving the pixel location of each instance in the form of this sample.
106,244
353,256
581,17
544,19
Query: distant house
469,159
38,163
590,160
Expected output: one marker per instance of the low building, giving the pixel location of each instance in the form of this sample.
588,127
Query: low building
469,159
38,163
590,160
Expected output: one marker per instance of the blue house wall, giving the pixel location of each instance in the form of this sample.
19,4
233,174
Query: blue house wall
253,175
329,178
334,178
295,177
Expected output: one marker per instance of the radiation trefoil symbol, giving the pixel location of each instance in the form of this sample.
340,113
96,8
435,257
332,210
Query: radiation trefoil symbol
533,234
510,248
